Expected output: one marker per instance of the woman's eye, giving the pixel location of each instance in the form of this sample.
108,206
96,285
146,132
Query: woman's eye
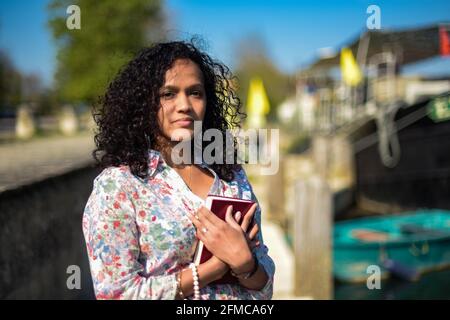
168,95
196,93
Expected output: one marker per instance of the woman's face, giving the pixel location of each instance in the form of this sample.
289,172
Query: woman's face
182,100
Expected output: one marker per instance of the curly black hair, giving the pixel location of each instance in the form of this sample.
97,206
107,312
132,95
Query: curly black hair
126,115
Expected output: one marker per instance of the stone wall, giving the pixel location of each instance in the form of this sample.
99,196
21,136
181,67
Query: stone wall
41,235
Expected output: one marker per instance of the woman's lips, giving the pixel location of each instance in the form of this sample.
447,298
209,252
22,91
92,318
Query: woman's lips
184,122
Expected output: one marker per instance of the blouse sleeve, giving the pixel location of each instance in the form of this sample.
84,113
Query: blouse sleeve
261,253
112,241
265,261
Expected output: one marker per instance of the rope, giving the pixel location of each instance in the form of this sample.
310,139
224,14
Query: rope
406,121
388,146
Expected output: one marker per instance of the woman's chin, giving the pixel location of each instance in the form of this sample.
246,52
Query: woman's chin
182,134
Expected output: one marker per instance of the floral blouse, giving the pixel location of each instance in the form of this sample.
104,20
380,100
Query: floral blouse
138,235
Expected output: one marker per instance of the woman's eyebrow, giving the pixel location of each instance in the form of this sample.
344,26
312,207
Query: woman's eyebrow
194,86
169,88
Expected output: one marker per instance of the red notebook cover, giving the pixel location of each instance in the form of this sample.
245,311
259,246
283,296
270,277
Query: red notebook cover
218,205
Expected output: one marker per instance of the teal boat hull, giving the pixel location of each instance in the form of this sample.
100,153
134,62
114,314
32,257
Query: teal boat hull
424,250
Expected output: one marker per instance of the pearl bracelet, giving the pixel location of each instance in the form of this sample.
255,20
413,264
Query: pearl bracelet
196,282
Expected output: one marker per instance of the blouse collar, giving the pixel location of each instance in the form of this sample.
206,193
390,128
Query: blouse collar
155,159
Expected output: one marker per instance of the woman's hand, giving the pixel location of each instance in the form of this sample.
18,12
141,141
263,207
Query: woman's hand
246,222
225,240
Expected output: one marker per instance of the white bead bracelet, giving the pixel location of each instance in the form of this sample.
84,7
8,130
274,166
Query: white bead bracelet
196,282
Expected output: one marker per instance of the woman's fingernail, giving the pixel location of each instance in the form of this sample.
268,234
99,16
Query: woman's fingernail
238,215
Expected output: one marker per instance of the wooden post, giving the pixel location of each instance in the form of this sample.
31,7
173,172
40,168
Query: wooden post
313,239
275,191
321,154
341,164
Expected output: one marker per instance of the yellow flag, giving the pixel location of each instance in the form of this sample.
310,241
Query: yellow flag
351,74
257,104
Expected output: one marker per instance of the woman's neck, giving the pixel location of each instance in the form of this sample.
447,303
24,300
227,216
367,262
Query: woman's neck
165,148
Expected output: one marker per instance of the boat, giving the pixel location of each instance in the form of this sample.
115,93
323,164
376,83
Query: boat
398,125
394,130
404,245
421,176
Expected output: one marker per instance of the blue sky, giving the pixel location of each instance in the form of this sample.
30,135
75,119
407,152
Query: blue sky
293,30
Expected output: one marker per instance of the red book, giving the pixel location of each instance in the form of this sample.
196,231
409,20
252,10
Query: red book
218,205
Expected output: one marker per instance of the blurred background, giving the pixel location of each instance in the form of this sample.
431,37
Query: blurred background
359,91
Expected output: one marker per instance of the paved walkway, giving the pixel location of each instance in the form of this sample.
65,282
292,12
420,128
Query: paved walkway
22,163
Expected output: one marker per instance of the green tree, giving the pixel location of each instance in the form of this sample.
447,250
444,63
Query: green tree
111,32
10,84
253,60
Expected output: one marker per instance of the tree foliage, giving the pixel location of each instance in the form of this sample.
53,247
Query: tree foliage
10,84
111,33
253,60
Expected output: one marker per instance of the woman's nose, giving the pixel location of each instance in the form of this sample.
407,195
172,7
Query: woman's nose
183,103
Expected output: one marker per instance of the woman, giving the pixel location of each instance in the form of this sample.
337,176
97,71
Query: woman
145,214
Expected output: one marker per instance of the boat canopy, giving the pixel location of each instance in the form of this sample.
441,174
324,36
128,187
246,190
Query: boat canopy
409,46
